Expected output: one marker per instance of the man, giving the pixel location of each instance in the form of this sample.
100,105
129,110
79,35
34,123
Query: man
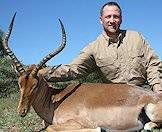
121,56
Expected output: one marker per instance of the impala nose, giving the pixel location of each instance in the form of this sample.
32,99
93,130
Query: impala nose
22,113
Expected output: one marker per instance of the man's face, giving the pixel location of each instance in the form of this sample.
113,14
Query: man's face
111,19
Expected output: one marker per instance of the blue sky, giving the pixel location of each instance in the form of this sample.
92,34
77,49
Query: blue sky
37,31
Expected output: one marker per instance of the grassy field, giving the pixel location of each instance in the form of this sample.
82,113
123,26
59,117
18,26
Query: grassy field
11,122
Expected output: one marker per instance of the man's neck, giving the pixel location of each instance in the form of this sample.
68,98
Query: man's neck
113,35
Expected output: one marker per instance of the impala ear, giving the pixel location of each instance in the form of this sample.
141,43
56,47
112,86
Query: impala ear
54,68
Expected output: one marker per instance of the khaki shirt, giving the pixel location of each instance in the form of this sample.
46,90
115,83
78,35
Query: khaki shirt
128,59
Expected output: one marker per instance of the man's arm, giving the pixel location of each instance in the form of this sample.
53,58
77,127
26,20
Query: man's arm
153,64
79,67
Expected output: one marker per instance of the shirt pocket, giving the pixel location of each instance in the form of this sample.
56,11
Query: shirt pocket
137,63
102,62
107,67
138,53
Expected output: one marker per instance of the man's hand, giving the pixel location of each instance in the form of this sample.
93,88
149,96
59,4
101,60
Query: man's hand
56,98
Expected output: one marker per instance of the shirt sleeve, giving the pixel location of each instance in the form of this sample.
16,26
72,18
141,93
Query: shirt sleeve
79,67
153,64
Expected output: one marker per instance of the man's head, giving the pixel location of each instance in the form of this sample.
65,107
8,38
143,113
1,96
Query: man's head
111,18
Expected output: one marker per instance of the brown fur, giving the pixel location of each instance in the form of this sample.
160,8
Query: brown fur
88,106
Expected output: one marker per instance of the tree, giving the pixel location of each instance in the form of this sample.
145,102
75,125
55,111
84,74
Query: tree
8,78
1,47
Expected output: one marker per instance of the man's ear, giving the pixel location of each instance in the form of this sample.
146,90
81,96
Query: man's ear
101,20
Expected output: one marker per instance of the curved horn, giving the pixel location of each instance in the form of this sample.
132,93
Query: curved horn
8,51
53,53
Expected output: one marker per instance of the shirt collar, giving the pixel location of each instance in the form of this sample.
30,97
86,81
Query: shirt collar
110,40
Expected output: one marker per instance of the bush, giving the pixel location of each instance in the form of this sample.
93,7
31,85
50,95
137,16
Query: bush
94,77
1,47
8,78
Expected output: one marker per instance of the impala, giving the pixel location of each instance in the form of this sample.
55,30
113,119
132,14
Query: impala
83,107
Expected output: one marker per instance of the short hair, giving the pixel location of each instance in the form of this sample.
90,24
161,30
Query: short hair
110,4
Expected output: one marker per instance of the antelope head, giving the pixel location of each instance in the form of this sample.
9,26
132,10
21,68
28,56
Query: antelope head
28,78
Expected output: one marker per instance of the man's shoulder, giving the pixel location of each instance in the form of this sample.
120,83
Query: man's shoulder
96,41
92,46
134,35
132,32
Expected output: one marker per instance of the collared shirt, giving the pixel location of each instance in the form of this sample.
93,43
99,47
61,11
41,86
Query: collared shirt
126,59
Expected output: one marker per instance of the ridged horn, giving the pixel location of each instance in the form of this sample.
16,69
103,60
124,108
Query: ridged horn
53,53
8,51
